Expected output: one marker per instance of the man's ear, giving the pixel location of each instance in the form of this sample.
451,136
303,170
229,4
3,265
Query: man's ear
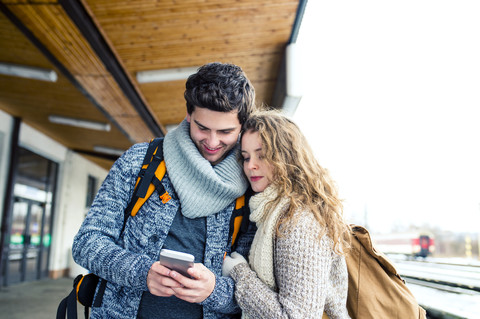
188,118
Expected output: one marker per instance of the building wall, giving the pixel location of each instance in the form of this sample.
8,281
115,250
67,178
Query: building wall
71,192
6,125
71,206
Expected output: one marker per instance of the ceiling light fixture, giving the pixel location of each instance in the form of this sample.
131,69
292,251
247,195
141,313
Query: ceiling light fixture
108,150
166,74
28,72
91,125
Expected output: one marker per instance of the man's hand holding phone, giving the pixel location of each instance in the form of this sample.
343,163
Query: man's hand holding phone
166,277
198,287
159,281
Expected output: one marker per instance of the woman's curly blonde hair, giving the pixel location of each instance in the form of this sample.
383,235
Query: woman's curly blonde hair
298,176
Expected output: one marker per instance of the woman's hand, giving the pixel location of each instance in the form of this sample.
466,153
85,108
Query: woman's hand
231,261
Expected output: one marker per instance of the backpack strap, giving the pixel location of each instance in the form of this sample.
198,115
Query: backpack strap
152,171
149,178
68,306
68,303
152,159
240,220
101,290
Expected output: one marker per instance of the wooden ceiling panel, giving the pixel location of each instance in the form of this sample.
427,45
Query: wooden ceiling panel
98,46
149,35
33,100
71,137
51,25
16,48
166,99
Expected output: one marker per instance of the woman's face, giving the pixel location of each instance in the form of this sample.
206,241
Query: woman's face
258,171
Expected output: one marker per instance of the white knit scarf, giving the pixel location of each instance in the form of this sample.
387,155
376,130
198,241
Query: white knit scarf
261,252
203,189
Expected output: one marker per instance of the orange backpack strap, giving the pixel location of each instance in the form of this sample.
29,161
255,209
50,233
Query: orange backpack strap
149,178
240,218
237,218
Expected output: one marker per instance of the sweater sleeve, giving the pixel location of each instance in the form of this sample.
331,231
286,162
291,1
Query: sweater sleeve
302,268
222,298
95,245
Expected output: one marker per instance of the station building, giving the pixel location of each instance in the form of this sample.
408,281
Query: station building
48,190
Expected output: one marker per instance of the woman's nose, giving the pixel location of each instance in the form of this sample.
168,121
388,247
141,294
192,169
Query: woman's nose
252,164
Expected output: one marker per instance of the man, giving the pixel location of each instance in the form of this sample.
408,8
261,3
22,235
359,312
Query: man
203,178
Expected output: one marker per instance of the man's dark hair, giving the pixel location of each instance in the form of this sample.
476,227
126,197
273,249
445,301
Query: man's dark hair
222,88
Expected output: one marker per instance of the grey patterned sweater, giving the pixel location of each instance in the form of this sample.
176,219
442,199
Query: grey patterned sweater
308,276
125,263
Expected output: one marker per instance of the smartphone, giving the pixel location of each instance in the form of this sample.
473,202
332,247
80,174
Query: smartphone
176,260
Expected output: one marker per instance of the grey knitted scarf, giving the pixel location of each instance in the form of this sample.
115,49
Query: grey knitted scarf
203,189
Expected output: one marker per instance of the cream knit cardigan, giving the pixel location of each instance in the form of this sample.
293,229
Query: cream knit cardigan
296,275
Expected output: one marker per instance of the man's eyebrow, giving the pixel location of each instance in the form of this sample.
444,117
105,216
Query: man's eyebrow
199,124
223,130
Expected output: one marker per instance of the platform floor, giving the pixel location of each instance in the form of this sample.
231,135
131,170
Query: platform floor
36,299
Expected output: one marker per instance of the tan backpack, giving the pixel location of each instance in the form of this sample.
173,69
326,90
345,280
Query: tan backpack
375,289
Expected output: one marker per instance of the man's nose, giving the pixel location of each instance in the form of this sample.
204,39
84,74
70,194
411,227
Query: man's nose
213,139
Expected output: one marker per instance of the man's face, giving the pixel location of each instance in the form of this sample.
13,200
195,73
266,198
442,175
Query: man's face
214,133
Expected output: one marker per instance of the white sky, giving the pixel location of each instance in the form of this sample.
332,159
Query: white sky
391,107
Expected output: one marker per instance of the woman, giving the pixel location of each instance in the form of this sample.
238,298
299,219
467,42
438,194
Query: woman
296,264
